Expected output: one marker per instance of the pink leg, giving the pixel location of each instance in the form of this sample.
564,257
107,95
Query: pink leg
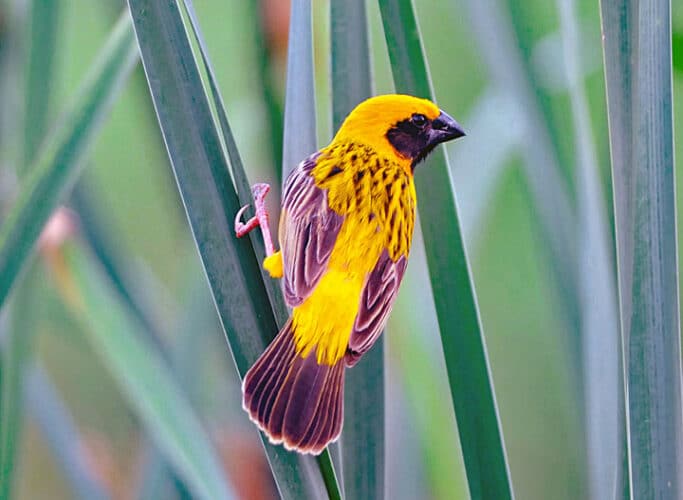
259,191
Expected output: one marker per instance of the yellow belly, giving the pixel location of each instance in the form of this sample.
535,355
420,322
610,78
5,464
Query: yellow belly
325,319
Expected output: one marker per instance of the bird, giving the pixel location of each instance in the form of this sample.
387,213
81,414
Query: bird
345,231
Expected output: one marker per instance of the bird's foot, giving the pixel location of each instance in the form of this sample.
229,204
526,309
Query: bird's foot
259,192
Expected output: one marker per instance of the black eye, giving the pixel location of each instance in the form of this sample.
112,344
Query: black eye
420,121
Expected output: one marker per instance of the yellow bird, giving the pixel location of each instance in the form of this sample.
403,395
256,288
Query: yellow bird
348,213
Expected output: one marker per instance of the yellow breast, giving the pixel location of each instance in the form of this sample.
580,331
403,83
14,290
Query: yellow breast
376,195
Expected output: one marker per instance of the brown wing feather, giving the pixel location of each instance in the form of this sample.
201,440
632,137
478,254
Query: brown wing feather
379,293
308,231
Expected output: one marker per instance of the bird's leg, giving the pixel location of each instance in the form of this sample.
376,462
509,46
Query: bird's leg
259,192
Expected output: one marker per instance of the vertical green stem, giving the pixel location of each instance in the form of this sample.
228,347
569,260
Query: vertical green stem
637,46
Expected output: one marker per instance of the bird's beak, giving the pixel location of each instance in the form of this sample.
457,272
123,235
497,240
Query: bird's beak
445,128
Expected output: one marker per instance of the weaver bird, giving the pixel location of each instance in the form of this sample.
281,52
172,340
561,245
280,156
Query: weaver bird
348,213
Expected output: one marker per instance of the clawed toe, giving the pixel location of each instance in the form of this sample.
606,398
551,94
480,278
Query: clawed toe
259,192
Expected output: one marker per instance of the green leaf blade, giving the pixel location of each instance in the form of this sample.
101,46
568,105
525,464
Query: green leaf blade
44,19
299,136
462,338
637,49
351,77
16,344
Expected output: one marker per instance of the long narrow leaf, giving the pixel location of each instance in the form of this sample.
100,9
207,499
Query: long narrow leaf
201,171
265,60
16,340
618,24
637,45
299,136
44,19
142,375
59,163
461,333
351,78
604,390
363,437
11,63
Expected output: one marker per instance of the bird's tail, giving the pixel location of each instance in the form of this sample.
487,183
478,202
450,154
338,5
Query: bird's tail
295,400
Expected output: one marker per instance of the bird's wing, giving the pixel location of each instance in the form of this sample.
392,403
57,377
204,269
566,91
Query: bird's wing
308,232
381,288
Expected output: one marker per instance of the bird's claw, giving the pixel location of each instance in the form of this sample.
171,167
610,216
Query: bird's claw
259,192
240,227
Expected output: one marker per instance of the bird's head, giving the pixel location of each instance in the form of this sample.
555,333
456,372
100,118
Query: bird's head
400,125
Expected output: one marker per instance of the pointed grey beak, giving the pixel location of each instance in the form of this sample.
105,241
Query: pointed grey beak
445,128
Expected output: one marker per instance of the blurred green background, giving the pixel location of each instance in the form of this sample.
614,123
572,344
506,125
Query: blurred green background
131,190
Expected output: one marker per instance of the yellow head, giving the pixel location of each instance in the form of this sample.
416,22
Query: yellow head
400,125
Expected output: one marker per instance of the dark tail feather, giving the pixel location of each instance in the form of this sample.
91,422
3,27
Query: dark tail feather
294,400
